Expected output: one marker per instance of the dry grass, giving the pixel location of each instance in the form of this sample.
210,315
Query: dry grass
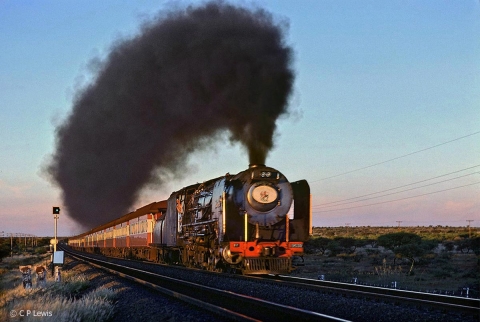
55,301
449,275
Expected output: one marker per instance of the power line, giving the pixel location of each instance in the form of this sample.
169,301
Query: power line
379,203
410,184
340,203
402,156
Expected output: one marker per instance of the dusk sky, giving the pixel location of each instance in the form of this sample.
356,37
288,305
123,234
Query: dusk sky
384,122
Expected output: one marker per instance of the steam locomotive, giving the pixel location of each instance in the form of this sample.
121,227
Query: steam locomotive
253,222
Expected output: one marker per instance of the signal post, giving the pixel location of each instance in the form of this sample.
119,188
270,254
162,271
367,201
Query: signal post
57,258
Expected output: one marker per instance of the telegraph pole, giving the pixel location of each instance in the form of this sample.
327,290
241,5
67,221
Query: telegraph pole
399,222
469,232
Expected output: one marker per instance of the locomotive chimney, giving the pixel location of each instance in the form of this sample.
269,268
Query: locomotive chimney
253,165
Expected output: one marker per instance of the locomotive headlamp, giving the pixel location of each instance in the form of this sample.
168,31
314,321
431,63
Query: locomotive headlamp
269,251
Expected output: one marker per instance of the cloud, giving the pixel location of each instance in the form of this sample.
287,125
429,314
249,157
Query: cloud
14,190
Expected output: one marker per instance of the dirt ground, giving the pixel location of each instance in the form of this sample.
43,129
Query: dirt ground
440,273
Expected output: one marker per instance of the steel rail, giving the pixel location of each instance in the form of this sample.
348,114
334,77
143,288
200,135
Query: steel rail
445,302
228,304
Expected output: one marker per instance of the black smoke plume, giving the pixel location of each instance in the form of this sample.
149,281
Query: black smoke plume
189,75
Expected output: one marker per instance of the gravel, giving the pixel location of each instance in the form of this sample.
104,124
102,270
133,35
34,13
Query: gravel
349,308
138,303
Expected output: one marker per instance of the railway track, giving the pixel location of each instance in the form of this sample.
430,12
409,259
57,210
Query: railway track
346,301
444,302
232,306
